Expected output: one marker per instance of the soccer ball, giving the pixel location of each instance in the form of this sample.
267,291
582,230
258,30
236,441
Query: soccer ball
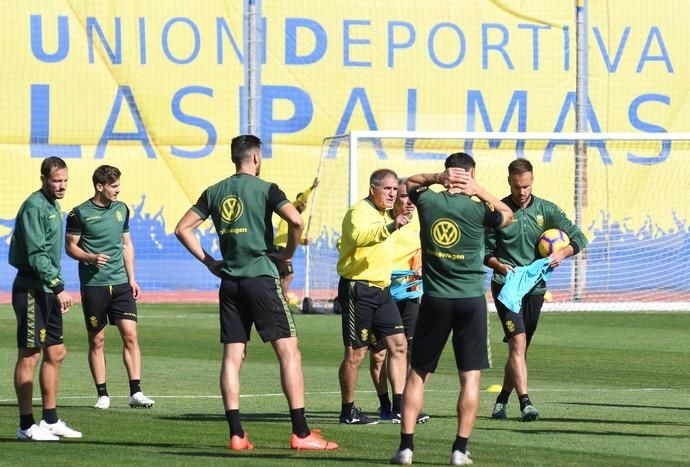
292,298
551,241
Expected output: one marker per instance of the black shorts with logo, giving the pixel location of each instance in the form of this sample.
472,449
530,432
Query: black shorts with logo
253,300
103,304
284,269
39,318
409,310
518,323
367,311
466,318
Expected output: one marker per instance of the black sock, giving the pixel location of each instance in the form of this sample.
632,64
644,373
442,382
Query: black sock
233,418
50,415
25,421
385,401
460,444
299,423
134,386
102,390
407,441
397,403
346,408
503,397
524,401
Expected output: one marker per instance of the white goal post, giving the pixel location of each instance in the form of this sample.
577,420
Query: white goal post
629,193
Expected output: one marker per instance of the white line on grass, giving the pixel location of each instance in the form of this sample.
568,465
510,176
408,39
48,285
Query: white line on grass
330,393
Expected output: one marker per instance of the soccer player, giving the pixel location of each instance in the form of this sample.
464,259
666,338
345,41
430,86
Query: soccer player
39,299
407,256
285,270
241,207
364,266
512,246
452,227
97,236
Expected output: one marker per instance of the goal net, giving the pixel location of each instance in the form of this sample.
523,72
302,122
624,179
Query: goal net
629,194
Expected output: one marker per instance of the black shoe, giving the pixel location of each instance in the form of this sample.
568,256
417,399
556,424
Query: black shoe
356,417
422,418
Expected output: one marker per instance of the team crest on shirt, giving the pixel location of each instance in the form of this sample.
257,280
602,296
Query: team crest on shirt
42,335
118,216
510,326
364,335
540,221
231,209
445,232
93,321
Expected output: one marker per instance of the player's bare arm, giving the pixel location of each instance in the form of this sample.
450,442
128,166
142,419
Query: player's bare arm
74,251
184,231
128,258
289,213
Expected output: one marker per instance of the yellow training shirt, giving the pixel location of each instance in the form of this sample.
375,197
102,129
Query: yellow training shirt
365,249
281,237
406,245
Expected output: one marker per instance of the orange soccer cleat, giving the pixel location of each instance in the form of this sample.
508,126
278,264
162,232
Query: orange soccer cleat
313,442
240,444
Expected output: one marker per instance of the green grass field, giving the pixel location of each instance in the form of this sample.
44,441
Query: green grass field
612,388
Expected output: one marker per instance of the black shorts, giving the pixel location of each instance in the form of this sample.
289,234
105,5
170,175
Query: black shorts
284,269
253,300
466,317
367,311
518,323
39,318
409,310
103,304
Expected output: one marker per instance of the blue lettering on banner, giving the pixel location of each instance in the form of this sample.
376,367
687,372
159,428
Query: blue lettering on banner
518,101
535,41
40,127
410,152
655,35
36,28
566,48
649,128
195,33
612,67
358,95
392,44
347,41
109,133
142,40
114,55
205,125
223,28
461,41
499,47
292,28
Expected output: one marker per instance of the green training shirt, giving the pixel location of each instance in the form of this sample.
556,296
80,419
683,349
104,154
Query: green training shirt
100,231
452,237
36,244
241,208
516,244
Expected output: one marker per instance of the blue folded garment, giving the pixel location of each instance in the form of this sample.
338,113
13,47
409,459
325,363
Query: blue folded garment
403,285
521,280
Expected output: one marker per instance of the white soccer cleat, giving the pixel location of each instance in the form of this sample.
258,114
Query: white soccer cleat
103,403
460,458
36,433
139,400
61,429
402,457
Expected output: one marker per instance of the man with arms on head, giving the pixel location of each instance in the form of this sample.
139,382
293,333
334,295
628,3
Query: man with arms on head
241,207
406,256
452,227
39,300
280,241
368,309
512,246
98,237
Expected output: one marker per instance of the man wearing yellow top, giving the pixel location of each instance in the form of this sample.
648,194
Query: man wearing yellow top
368,308
406,256
285,270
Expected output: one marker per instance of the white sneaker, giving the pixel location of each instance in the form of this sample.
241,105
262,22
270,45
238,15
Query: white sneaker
138,400
60,428
103,402
36,433
460,458
402,457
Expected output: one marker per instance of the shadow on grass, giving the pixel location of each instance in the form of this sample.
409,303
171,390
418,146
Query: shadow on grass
553,431
130,444
278,456
627,406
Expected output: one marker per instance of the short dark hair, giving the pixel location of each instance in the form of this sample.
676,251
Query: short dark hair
377,176
460,160
105,174
50,163
519,167
241,147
